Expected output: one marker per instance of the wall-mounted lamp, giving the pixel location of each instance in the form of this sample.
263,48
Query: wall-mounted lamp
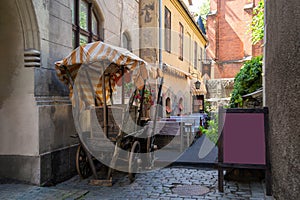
197,83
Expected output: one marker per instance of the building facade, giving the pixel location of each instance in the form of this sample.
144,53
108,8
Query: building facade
229,37
182,51
36,119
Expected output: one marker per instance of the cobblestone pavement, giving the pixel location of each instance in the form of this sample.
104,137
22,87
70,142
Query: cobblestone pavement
172,183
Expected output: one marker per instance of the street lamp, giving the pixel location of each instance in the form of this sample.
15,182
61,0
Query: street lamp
197,84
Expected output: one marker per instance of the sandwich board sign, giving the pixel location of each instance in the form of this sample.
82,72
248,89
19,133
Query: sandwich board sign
243,142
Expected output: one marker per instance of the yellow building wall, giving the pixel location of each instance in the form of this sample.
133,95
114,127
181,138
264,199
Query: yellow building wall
191,34
180,87
176,82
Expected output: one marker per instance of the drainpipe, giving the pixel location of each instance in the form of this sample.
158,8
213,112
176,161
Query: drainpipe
121,22
264,57
160,35
161,80
218,16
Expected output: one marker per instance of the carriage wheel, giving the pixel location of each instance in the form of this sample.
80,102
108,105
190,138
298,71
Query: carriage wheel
134,159
82,163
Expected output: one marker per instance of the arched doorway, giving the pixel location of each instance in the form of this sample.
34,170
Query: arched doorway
19,137
198,104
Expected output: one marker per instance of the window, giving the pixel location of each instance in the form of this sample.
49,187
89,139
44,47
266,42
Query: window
167,30
180,41
195,55
126,41
168,107
201,59
86,24
189,48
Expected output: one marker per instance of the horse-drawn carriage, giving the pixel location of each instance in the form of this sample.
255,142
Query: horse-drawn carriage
114,134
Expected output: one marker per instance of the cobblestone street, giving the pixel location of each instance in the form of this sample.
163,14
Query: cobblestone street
172,183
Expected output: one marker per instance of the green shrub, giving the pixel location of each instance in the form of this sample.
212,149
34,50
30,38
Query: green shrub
248,80
212,131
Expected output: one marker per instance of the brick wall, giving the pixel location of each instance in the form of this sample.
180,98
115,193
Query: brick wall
229,39
226,70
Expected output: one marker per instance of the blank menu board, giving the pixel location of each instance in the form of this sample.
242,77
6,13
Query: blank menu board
244,139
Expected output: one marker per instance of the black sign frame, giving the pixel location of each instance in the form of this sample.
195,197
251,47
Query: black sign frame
225,165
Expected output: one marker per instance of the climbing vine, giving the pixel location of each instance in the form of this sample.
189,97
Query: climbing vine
248,80
257,24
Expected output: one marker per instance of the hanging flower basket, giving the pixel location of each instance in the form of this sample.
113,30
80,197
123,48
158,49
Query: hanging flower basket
148,100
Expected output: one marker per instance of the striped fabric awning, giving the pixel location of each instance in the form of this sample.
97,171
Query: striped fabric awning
87,64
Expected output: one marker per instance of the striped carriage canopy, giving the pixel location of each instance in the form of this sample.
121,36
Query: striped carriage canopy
85,66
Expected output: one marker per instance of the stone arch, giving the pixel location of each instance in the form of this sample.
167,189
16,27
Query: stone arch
126,36
31,33
29,24
181,102
100,17
99,10
19,36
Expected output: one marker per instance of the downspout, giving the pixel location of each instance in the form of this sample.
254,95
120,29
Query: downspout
264,55
161,80
160,35
121,45
217,30
121,22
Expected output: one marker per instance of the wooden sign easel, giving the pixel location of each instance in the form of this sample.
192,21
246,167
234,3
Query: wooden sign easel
243,142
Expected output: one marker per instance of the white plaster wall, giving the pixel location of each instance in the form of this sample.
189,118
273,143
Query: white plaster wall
111,10
19,117
120,16
18,112
130,23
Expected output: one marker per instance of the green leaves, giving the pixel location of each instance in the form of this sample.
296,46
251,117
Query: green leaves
204,10
212,131
248,80
257,24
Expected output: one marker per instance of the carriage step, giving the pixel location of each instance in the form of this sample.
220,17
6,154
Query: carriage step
104,182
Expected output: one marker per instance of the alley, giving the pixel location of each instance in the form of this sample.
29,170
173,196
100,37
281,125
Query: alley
168,183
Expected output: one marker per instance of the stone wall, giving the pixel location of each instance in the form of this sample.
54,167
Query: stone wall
219,88
56,125
36,119
218,91
18,111
283,95
148,22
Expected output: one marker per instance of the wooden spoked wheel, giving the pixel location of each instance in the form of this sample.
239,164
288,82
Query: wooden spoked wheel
82,163
134,159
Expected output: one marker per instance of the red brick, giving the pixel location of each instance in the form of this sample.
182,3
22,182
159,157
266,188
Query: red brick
229,39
